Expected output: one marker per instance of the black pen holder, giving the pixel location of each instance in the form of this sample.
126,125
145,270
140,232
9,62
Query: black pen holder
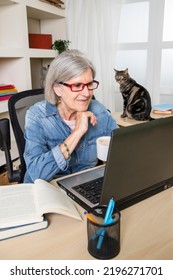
103,240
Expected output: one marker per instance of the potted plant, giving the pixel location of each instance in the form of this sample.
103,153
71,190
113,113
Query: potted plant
61,45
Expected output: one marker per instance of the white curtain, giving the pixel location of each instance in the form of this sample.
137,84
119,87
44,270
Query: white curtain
92,27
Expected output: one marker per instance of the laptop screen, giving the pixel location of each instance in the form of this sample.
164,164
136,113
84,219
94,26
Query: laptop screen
140,162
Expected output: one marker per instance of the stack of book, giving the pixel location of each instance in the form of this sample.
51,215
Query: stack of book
56,3
23,207
6,91
165,109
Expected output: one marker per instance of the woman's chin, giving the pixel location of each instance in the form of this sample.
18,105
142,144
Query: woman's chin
82,106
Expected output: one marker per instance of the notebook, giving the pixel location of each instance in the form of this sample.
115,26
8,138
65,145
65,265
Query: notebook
139,165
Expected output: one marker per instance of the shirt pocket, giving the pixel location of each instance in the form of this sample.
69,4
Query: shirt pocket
90,150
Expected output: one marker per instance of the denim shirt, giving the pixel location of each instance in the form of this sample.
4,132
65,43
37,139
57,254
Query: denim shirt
45,130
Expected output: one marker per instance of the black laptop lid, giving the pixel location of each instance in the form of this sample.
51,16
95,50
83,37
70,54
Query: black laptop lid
140,162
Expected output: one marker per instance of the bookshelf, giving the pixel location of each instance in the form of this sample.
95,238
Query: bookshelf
16,58
19,64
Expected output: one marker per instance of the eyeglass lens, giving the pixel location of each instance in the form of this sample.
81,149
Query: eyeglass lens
80,86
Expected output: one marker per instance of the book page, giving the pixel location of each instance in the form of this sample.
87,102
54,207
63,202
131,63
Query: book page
26,203
18,205
52,199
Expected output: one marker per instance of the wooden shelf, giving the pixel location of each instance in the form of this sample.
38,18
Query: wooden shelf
38,53
8,52
36,13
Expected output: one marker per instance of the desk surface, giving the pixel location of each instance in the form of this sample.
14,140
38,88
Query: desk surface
146,233
128,122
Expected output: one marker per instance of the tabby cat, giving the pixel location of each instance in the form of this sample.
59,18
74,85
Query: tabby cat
137,101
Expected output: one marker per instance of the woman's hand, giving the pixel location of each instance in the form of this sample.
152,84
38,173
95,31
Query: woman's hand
82,119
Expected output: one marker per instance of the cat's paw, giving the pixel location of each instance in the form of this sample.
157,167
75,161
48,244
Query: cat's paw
139,118
123,115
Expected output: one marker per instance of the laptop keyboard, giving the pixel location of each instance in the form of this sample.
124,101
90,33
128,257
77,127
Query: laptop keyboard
91,190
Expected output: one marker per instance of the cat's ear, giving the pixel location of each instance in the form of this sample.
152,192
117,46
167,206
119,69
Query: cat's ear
115,71
126,71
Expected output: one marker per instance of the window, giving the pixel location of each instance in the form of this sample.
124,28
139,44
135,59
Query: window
166,80
168,21
145,45
134,23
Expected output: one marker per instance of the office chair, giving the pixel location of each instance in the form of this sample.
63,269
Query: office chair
18,104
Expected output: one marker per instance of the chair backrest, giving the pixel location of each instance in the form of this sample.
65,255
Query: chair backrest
18,104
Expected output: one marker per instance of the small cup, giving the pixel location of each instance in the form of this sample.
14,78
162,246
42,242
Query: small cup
102,144
103,240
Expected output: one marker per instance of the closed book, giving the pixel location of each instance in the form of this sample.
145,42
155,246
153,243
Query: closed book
167,112
5,97
7,91
3,86
10,232
163,107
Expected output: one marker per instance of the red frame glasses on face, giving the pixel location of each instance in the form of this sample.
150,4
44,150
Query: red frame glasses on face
80,86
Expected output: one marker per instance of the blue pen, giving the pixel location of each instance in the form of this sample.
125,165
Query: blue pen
107,220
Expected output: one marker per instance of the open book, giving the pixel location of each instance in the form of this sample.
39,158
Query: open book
22,204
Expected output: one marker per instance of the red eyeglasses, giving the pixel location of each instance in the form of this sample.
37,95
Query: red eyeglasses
80,86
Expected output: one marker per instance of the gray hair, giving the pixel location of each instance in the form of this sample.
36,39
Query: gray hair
65,66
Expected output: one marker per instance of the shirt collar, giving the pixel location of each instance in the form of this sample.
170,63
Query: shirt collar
51,109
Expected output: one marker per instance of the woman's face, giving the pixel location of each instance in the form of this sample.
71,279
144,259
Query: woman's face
75,101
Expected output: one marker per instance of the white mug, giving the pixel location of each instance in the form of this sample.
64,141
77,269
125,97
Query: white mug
102,144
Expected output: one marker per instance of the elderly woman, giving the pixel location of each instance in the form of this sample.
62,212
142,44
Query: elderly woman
61,131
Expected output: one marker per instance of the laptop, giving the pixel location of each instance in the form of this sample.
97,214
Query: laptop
139,165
